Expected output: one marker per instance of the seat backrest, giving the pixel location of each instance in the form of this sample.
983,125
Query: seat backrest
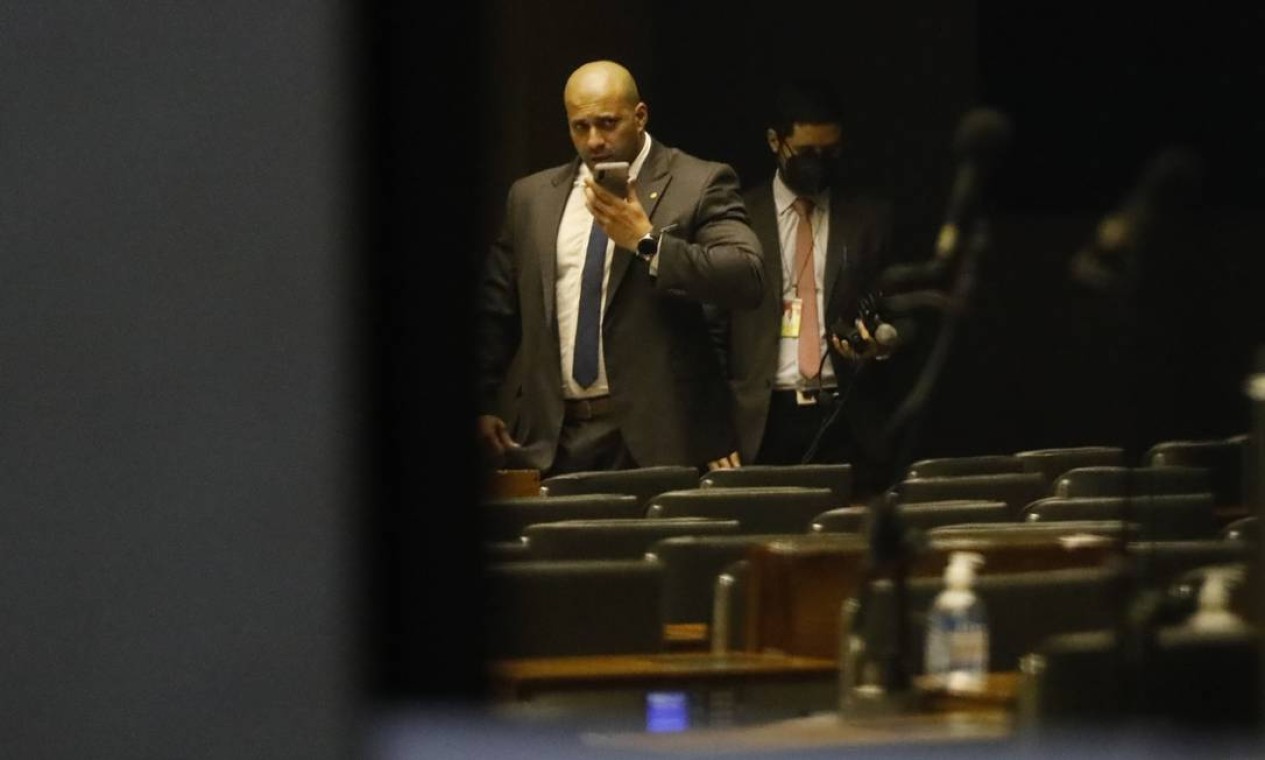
1022,609
1245,529
924,515
1158,517
1189,680
690,567
1158,564
1112,529
555,609
1130,481
836,477
1015,489
505,519
614,538
757,509
943,467
1051,463
505,551
642,482
1223,459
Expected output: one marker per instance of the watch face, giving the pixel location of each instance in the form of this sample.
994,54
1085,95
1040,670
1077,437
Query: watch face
647,246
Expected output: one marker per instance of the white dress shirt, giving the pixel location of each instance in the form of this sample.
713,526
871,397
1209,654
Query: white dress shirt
573,241
788,374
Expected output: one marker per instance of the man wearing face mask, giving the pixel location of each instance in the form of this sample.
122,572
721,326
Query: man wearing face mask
822,250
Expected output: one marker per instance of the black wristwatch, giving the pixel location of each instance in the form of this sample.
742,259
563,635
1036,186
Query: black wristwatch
648,246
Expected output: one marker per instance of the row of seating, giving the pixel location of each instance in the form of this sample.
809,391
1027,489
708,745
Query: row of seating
797,580
1167,504
764,559
1160,518
1223,462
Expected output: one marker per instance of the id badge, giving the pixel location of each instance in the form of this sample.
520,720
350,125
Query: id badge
790,317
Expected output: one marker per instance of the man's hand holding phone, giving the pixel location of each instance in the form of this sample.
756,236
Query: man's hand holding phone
618,211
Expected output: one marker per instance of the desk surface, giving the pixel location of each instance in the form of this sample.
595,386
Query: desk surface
516,677
826,729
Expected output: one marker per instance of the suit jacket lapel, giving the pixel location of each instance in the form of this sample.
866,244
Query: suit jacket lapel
839,247
552,209
652,180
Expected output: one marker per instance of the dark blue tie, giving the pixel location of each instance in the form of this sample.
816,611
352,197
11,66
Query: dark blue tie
589,323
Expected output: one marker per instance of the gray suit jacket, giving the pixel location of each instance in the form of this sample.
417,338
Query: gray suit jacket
859,237
667,389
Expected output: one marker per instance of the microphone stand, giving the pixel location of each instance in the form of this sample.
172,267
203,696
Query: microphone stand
891,544
1112,264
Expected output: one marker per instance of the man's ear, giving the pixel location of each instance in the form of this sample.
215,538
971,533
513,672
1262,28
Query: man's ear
771,136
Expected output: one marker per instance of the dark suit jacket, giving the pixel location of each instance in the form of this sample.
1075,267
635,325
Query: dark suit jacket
859,238
667,389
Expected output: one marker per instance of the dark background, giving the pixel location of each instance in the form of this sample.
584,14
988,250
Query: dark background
238,247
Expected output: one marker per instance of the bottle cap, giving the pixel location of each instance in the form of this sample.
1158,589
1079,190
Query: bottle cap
960,572
1213,613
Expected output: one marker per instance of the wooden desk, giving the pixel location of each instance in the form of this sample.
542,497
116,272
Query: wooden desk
520,679
686,637
505,484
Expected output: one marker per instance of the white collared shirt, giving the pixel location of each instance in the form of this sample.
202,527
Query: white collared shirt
788,375
573,241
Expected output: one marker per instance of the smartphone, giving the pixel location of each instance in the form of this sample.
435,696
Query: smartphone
612,175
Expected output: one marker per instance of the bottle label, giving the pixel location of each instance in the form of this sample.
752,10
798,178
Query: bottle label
957,651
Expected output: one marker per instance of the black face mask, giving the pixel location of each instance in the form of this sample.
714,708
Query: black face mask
807,173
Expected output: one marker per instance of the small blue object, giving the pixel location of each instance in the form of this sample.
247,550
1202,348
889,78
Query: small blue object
667,711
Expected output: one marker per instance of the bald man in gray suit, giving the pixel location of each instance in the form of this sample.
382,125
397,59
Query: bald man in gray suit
645,388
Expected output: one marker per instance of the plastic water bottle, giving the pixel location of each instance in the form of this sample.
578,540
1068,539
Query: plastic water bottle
957,628
1213,615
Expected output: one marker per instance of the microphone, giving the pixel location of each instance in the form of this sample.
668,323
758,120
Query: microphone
982,137
1168,184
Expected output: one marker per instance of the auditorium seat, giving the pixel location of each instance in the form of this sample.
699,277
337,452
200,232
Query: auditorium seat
758,510
643,482
505,551
691,565
1184,680
924,515
1243,529
614,538
1051,463
943,467
836,477
1126,481
555,609
1015,489
505,519
1223,459
1161,563
1112,529
1159,517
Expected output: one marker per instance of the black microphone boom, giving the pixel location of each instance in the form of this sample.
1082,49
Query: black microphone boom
1169,184
982,137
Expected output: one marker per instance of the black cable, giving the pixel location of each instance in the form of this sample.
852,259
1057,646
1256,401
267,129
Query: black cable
838,402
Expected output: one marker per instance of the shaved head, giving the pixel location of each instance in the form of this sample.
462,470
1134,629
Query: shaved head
601,80
605,115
